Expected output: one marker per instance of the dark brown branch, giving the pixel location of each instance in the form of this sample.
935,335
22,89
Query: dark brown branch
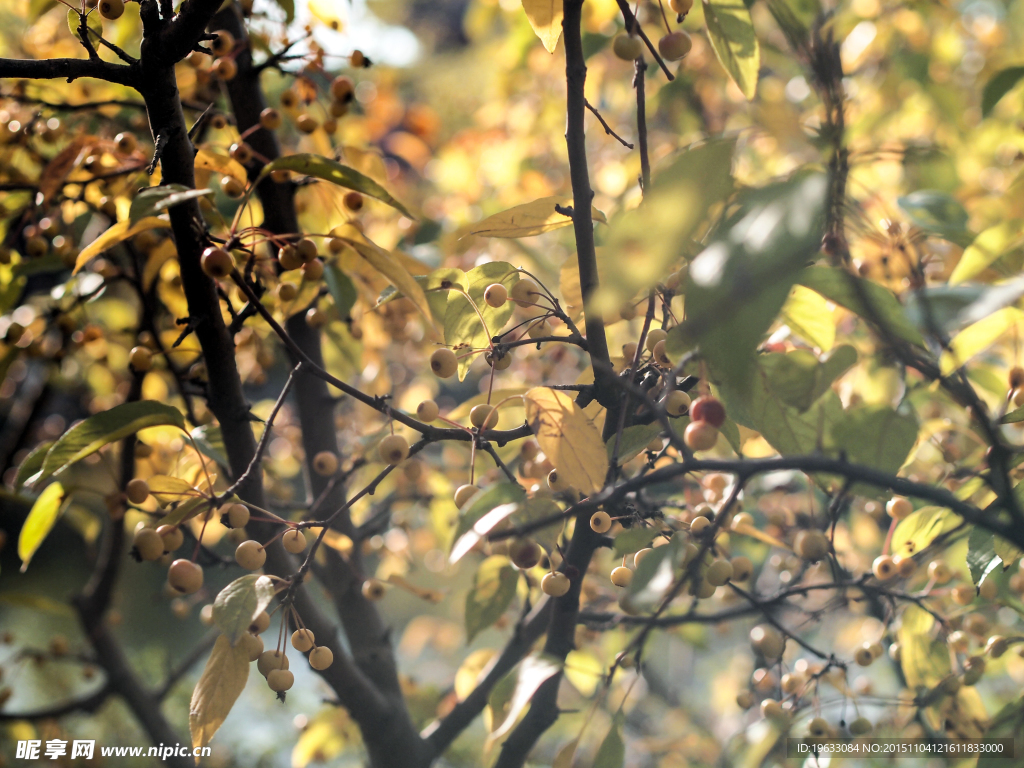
71,69
633,24
639,78
604,123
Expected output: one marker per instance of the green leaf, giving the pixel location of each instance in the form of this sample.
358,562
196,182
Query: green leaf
925,661
1000,84
799,379
612,752
240,602
336,173
40,521
504,497
876,436
936,212
633,540
104,428
210,442
218,689
921,528
463,328
731,32
636,438
808,316
92,21
645,243
739,283
846,290
494,588
342,289
981,554
533,672
32,464
989,246
153,200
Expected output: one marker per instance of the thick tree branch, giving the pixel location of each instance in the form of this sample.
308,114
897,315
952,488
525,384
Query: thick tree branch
71,69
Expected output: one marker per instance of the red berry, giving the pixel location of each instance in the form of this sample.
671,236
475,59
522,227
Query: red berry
709,409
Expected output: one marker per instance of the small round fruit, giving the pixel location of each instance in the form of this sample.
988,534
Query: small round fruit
660,356
289,259
640,555
525,293
321,658
232,187
373,589
270,661
110,9
744,699
303,640
287,292
427,411
280,680
939,571
137,490
141,359
171,536
555,584
700,436
250,554
772,710
718,573
708,409
306,123
316,317
270,119
325,463
628,47
463,494
996,646
557,482
342,89
962,594
483,416
863,656
699,525
811,545
818,727
126,143
185,576
223,42
742,568
974,668
883,568
682,7
677,403
443,363
252,644
293,541
148,544
225,68
353,201
958,641
496,295
600,522
654,336
312,270
621,576
860,726
238,515
393,449
217,263
498,363
899,507
905,566
976,624
260,623
675,45
767,641
629,352
525,553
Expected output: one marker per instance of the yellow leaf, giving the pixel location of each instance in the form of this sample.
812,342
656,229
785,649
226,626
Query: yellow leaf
472,667
546,19
40,521
116,234
584,671
563,759
529,218
222,682
808,315
326,736
222,164
568,438
987,248
978,337
393,270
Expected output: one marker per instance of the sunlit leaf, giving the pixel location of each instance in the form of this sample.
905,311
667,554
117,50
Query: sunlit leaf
978,337
215,162
104,428
31,464
529,219
533,671
153,200
218,688
568,438
118,233
925,660
987,247
325,737
1000,84
731,32
382,261
336,173
546,19
921,528
494,587
469,671
632,540
210,442
808,315
40,521
240,602
476,516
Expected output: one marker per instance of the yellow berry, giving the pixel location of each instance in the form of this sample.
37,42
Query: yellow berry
293,541
303,640
444,363
321,658
251,555
137,490
185,576
621,576
600,522
555,584
393,449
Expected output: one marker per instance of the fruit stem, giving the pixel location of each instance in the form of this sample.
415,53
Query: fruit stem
888,536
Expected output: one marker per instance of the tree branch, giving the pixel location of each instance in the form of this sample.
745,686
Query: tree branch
71,69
